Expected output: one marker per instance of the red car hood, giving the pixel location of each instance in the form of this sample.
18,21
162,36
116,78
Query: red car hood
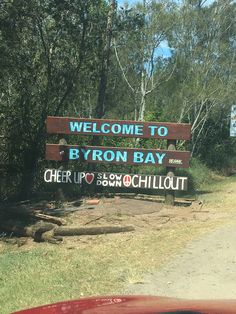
135,305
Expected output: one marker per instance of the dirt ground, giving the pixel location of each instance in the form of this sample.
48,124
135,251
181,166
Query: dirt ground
205,269
141,214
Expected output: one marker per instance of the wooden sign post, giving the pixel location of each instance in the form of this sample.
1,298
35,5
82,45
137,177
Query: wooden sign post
170,194
170,158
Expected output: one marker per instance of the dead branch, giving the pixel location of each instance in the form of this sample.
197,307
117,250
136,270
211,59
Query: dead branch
95,219
55,220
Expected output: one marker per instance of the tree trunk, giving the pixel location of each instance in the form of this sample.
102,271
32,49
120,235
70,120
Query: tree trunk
29,169
100,108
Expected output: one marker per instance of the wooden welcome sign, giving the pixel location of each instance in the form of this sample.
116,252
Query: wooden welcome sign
121,128
117,155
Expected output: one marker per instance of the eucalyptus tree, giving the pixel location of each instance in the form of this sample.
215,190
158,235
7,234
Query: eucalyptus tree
204,42
141,32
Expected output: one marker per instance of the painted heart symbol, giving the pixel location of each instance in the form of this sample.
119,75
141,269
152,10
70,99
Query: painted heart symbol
89,177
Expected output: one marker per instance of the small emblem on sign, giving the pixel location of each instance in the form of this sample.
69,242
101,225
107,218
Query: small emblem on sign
127,180
89,177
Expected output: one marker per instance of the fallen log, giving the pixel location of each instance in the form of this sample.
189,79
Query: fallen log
38,231
73,231
50,232
49,236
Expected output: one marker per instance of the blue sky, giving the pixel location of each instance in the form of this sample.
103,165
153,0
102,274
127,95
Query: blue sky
121,2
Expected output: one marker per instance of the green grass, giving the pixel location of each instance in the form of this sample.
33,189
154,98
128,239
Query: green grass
43,275
102,266
220,194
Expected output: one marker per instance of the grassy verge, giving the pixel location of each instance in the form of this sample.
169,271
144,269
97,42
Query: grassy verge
104,265
220,194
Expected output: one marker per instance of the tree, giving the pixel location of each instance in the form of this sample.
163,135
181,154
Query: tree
205,56
143,29
48,50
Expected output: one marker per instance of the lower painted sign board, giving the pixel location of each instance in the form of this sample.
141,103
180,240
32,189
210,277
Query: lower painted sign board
117,155
120,180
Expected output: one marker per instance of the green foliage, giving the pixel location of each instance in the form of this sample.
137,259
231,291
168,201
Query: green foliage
199,175
218,150
51,53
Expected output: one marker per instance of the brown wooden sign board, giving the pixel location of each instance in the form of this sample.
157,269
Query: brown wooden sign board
120,128
116,180
117,155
